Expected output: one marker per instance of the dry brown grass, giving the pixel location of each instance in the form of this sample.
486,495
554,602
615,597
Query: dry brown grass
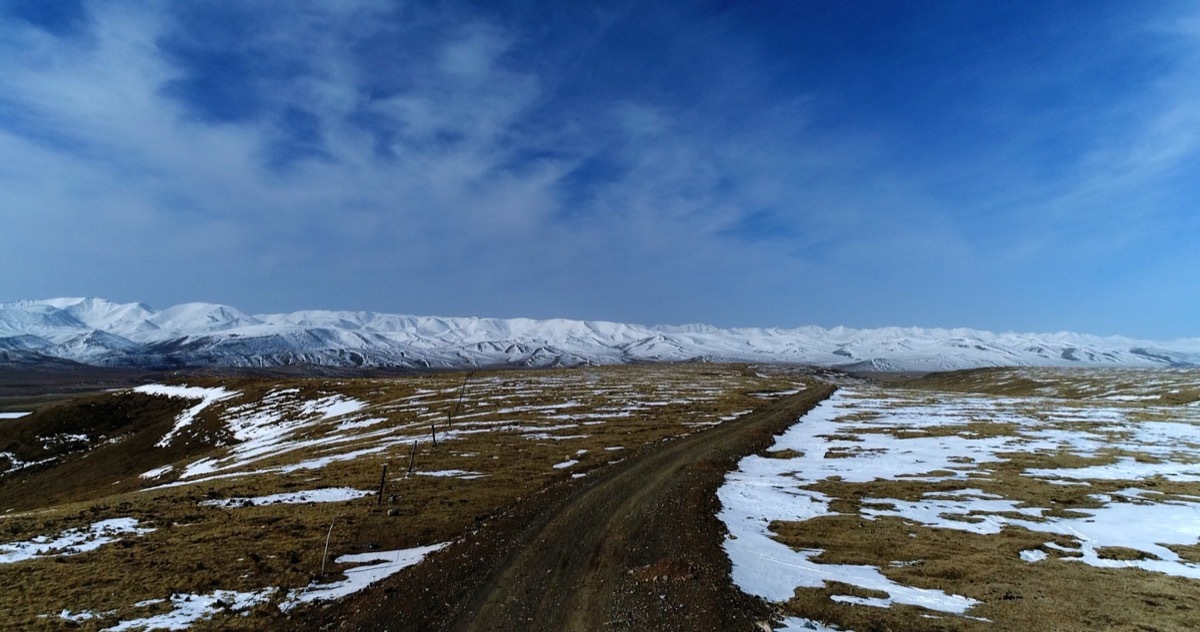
199,549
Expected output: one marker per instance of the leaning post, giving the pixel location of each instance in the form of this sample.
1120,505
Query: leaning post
382,484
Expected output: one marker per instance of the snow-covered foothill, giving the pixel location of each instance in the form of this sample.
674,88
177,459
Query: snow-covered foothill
99,332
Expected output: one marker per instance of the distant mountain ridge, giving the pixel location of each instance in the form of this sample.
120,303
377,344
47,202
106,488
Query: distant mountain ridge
98,332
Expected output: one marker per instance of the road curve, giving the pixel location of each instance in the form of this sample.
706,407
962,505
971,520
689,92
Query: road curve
635,546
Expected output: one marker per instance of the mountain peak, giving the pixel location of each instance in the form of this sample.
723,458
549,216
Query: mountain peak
98,331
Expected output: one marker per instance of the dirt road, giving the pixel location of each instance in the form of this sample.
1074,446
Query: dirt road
635,546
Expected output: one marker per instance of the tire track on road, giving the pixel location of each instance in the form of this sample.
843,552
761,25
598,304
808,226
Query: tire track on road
635,546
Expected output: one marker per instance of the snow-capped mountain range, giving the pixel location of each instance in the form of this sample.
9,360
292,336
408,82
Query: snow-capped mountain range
98,332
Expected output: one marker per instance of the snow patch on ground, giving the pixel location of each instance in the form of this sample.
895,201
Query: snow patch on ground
1125,469
383,564
156,472
1033,555
1142,526
451,473
361,423
332,406
207,397
862,435
71,541
81,616
799,624
328,427
324,495
12,415
190,608
265,429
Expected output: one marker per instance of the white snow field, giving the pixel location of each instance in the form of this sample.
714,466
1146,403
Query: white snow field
100,332
866,434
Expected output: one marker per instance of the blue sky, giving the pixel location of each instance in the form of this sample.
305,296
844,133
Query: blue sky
1014,166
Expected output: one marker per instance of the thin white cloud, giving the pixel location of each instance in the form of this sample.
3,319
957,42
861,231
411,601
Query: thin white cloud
459,183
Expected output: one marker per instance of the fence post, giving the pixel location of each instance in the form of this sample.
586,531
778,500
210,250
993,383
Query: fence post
458,405
326,553
382,483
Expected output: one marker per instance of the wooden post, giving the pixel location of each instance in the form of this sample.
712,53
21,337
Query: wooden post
326,553
382,483
412,456
433,432
458,405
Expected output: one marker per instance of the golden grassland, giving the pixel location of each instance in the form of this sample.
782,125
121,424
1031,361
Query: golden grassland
509,428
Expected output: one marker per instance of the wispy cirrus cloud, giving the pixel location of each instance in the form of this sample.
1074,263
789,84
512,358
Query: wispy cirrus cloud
651,163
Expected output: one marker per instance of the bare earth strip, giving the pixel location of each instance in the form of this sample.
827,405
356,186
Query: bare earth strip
636,546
